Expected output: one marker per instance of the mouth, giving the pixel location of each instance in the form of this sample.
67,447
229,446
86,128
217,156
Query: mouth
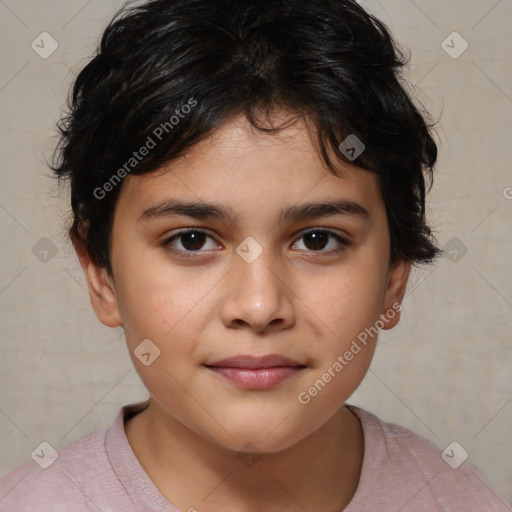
257,373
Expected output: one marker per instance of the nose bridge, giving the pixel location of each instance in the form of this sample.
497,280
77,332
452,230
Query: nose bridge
256,293
256,274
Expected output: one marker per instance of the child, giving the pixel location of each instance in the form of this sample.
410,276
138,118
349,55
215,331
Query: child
248,190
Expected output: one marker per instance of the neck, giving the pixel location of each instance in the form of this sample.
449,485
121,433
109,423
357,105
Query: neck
321,472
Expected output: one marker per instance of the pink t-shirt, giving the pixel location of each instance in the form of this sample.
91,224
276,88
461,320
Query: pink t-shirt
99,473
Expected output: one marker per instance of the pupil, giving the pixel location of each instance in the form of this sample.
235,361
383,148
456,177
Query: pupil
193,240
318,240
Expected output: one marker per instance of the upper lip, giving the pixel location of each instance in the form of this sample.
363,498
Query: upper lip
255,362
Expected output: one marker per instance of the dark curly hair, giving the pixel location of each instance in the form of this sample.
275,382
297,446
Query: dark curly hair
326,61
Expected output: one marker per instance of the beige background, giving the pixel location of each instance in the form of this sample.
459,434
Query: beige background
444,372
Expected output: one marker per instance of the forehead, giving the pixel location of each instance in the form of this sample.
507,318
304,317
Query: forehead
240,166
244,149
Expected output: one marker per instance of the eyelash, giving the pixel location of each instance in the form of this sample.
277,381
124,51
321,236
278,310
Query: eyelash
343,242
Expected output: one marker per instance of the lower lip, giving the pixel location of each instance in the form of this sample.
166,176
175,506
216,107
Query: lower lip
260,378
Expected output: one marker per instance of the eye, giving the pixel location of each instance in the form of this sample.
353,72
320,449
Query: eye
316,240
190,241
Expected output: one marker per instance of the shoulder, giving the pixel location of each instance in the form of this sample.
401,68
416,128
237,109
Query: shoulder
33,487
406,468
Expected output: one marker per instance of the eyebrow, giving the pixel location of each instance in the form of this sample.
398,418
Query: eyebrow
204,210
324,209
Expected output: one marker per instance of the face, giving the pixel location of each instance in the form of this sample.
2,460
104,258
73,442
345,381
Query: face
253,270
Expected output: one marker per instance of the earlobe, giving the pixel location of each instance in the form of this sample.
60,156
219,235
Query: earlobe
395,291
101,287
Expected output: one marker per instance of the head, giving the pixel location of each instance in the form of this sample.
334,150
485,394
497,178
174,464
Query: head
225,119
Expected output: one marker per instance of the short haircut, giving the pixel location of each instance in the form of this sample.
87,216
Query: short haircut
180,69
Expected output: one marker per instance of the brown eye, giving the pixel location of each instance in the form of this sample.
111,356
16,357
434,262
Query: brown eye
316,240
192,240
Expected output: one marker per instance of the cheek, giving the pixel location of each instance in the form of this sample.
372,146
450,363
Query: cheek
145,312
349,299
170,312
153,299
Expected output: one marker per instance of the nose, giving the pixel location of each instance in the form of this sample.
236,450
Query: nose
257,296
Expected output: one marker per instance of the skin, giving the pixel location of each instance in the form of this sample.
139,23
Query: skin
293,300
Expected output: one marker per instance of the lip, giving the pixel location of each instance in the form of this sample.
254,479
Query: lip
258,373
255,362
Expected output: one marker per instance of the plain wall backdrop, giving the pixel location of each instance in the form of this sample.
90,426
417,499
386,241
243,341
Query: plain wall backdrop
444,372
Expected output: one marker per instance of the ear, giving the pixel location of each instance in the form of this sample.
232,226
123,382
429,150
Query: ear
101,287
395,291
